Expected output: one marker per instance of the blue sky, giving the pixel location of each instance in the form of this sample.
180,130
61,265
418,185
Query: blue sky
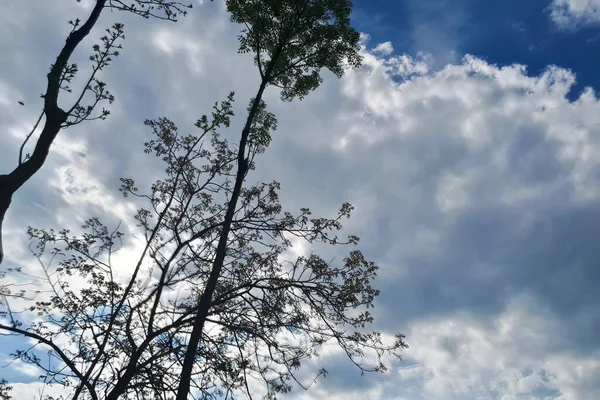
469,143
501,32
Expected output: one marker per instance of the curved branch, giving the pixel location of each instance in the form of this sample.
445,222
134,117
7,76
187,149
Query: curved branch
58,351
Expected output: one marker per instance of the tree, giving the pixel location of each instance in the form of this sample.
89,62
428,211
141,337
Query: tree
269,310
215,300
94,91
292,40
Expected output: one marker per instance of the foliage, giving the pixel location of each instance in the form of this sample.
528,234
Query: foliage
300,37
5,390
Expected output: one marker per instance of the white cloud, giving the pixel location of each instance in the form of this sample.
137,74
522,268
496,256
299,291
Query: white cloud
481,111
513,357
569,14
26,369
384,48
34,390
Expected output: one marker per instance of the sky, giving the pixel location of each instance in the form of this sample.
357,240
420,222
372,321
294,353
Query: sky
469,143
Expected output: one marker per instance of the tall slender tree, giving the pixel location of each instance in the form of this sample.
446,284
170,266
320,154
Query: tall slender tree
53,118
291,40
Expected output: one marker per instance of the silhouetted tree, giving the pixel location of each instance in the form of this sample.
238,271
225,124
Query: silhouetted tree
268,312
291,40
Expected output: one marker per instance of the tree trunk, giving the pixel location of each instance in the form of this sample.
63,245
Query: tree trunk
206,298
5,199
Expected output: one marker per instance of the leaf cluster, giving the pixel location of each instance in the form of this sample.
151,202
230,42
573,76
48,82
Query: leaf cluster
292,40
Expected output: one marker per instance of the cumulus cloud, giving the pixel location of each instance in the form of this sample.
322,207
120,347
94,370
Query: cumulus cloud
487,185
476,189
384,48
23,368
569,14
510,357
